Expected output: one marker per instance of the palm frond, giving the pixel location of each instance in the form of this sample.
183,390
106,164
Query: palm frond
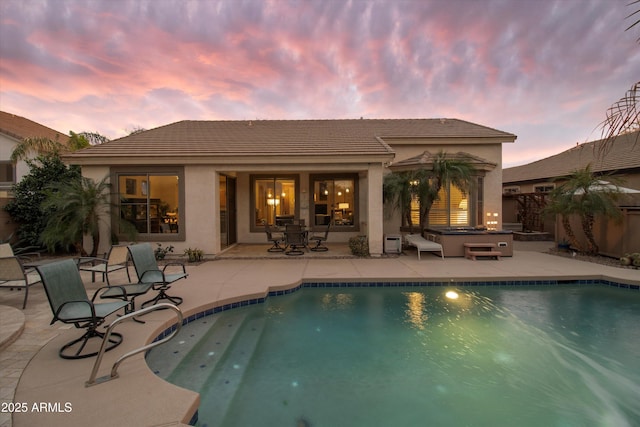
622,117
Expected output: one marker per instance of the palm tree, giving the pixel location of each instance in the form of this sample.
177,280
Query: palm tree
40,145
424,184
583,195
77,206
446,171
398,190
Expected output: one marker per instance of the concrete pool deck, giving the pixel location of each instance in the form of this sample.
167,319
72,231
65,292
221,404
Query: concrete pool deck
53,389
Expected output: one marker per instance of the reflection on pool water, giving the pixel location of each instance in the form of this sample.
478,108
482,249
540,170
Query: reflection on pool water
494,356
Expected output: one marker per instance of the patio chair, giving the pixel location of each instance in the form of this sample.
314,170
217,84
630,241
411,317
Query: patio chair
319,239
296,239
13,275
7,251
70,304
275,238
148,272
116,259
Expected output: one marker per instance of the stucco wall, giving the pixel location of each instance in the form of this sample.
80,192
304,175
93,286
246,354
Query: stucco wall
201,207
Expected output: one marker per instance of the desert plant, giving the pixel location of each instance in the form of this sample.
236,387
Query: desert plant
194,255
77,206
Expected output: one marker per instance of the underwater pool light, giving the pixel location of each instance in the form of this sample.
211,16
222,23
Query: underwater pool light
451,295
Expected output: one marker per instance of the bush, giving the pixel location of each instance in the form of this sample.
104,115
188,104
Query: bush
25,209
194,255
359,246
161,252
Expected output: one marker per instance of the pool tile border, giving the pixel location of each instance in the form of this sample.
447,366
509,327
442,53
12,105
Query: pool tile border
393,284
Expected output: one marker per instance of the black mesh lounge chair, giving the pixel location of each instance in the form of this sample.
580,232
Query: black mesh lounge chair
148,272
70,304
320,239
275,238
13,275
296,239
116,259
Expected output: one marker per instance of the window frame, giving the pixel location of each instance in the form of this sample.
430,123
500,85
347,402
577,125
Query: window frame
115,175
255,228
355,221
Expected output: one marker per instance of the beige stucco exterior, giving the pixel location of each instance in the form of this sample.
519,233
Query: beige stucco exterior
203,152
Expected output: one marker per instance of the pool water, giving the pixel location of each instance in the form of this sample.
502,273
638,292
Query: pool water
494,356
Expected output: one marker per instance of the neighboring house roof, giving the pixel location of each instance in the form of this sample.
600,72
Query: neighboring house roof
623,153
19,128
282,138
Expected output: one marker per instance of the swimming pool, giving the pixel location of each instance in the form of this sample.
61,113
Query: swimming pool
564,355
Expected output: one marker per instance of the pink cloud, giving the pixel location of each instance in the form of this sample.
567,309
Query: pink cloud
545,70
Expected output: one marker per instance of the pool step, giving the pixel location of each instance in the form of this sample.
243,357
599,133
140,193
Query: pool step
183,360
226,378
164,359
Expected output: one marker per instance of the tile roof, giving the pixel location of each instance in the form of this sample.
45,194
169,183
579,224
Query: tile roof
20,128
623,153
283,137
426,159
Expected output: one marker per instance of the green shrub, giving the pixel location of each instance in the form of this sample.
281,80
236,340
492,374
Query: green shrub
359,246
161,252
194,255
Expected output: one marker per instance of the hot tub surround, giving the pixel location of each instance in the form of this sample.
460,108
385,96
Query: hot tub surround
453,239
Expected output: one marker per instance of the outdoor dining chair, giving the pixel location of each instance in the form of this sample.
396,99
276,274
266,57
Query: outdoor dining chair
116,259
295,239
320,239
275,238
13,275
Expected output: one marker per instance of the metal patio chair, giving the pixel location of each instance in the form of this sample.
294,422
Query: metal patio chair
70,304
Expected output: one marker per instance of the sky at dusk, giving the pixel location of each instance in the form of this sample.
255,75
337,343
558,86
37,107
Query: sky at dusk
545,70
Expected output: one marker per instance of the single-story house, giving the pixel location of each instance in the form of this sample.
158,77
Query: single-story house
525,190
14,129
211,184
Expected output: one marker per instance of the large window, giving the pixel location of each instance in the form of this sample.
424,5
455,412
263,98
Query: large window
150,202
274,200
451,209
335,201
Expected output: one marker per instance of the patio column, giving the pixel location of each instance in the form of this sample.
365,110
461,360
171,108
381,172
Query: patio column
374,209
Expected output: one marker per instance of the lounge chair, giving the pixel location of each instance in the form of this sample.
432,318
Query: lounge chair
13,275
319,239
424,245
148,272
70,304
116,259
275,238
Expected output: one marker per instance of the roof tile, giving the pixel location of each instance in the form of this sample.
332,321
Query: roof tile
622,153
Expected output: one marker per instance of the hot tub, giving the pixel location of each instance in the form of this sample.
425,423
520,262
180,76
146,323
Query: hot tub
453,239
